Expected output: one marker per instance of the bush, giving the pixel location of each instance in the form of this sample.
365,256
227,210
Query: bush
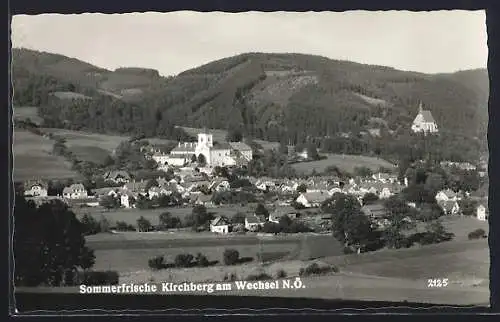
315,269
183,260
230,278
231,256
348,250
123,226
157,262
91,278
476,234
202,260
259,277
281,274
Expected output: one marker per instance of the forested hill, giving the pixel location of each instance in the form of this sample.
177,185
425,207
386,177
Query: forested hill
278,97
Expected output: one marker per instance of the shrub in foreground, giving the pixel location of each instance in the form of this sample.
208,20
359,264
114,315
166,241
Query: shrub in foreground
259,277
231,256
183,260
476,234
202,260
91,278
157,262
315,269
281,274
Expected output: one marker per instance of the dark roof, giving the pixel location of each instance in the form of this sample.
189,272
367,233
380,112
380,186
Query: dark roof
374,210
427,116
221,146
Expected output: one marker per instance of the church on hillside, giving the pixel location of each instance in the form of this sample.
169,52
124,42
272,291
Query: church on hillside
214,154
424,122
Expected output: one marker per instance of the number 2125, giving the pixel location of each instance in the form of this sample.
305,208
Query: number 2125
437,282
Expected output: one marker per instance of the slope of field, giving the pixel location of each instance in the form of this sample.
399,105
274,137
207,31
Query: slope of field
343,162
33,158
24,113
300,94
86,139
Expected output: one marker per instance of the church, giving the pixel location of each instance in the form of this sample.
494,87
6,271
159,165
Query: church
424,122
213,154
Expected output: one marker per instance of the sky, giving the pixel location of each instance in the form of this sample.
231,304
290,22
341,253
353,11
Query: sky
427,42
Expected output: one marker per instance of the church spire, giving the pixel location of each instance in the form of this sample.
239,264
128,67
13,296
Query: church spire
420,109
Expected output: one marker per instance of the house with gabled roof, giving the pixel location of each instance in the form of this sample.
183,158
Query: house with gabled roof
445,195
36,188
75,191
220,225
312,199
253,222
450,207
118,176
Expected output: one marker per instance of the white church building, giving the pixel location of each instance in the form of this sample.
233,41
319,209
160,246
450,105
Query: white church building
424,122
218,154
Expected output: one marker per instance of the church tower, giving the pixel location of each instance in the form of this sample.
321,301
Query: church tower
205,139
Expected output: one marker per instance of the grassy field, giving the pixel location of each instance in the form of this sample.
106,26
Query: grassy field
23,113
85,139
33,158
343,162
130,216
90,153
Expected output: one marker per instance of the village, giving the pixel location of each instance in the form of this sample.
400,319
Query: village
208,174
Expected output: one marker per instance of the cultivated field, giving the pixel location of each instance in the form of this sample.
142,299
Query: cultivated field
24,113
33,159
343,162
85,139
130,216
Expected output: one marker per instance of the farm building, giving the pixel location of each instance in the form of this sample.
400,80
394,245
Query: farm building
117,176
75,191
253,223
220,225
279,212
35,188
312,199
450,207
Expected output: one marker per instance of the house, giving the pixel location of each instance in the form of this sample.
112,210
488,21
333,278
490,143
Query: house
138,187
385,193
375,211
204,200
35,189
128,199
158,191
243,149
108,191
424,122
118,176
220,225
279,212
75,191
219,185
445,195
450,207
481,212
304,154
312,199
253,223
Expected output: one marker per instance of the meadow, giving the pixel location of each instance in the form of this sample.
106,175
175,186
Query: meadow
86,139
344,162
25,112
33,159
130,216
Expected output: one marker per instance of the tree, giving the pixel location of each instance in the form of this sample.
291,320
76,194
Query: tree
109,202
234,135
468,206
143,224
363,172
231,256
434,183
48,243
302,188
261,211
90,226
202,161
199,217
312,152
350,226
285,223
151,183
238,218
168,221
370,198
193,159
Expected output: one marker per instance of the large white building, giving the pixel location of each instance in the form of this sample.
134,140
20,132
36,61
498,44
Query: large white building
218,154
424,122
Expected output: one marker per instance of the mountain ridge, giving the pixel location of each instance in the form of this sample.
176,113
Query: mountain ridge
276,97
